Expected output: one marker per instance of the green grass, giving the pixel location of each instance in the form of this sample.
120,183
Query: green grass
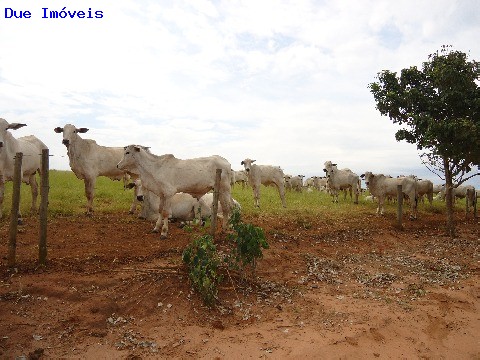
67,197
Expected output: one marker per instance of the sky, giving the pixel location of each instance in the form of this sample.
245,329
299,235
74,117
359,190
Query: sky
281,82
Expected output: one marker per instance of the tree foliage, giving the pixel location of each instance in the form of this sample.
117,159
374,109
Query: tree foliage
437,107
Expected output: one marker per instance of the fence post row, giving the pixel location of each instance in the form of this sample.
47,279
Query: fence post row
44,189
216,191
17,180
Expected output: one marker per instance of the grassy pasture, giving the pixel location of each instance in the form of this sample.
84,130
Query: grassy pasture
67,197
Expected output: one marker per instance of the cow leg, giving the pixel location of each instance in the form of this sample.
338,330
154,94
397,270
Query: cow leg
133,207
165,214
34,187
2,192
162,220
159,222
413,215
335,196
256,195
135,202
89,193
380,209
164,233
281,191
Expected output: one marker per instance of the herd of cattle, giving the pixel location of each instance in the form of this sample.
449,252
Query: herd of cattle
172,187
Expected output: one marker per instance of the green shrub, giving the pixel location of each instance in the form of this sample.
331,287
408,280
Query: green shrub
203,262
249,240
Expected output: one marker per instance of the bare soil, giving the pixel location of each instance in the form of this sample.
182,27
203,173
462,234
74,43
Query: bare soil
330,289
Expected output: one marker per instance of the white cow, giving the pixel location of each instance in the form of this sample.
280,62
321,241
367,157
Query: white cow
294,182
310,182
266,175
437,188
341,180
184,206
88,160
240,176
425,187
460,192
205,206
31,147
166,175
320,182
381,186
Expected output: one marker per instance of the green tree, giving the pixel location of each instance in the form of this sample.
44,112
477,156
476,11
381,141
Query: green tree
438,109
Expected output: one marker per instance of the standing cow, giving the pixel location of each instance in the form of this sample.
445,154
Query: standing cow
88,160
341,180
266,175
381,186
166,175
31,147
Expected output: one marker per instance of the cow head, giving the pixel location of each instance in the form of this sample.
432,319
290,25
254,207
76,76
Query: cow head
137,185
128,163
69,133
4,126
247,163
368,177
329,168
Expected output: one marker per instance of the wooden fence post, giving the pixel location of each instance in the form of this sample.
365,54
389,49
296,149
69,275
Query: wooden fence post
466,203
17,181
400,206
216,191
475,202
44,189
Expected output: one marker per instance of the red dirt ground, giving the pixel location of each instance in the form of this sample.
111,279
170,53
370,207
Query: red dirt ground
352,289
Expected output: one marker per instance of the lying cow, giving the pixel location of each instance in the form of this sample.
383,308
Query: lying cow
381,186
88,160
205,206
341,180
266,175
184,206
166,175
31,147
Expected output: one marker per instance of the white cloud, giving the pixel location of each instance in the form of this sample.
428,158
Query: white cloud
284,82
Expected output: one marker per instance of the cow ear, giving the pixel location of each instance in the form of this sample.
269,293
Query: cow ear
82,130
325,170
242,162
254,160
362,176
130,185
58,129
15,126
334,164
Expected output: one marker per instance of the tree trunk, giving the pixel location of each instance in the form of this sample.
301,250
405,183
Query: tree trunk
449,198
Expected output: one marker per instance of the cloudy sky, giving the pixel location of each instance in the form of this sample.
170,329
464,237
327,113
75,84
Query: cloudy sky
282,82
